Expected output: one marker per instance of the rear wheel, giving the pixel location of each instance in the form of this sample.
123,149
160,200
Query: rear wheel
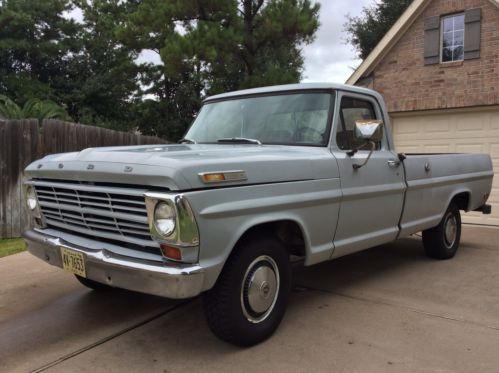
94,285
249,300
442,241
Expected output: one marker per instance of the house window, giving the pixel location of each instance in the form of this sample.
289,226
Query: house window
452,38
444,37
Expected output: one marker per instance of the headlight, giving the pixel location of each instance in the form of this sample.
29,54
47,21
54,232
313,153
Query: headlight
31,199
173,225
165,218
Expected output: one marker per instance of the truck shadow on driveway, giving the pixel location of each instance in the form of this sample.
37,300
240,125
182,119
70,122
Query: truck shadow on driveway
371,309
370,265
83,325
74,320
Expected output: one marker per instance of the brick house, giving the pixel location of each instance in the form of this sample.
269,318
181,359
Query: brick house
438,70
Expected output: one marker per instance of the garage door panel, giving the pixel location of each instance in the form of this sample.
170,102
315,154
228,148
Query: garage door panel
493,199
437,148
450,135
494,151
478,218
411,127
494,195
471,123
472,217
494,122
471,148
410,149
464,132
439,125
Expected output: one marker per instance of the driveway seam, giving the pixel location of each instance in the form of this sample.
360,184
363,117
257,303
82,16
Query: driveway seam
401,306
108,338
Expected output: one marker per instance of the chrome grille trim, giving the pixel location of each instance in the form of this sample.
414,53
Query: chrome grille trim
114,213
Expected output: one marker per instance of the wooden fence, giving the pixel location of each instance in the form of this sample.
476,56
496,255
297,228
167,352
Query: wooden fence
24,141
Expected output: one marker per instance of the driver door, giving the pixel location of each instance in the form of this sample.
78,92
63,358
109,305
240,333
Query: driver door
372,196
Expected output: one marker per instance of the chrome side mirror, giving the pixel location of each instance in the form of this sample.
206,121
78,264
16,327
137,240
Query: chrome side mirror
369,130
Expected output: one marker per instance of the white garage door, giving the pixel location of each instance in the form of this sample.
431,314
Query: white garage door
454,131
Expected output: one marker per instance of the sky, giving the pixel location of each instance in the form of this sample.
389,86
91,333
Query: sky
329,58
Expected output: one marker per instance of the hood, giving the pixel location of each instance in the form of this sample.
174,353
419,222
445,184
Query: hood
177,167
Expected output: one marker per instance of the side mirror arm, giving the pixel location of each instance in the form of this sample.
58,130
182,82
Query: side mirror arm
373,146
352,152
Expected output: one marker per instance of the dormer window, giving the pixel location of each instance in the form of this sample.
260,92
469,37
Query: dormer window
452,48
455,37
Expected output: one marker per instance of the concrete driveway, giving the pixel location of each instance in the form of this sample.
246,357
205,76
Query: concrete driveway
386,309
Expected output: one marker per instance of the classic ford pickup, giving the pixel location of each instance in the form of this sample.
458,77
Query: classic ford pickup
304,171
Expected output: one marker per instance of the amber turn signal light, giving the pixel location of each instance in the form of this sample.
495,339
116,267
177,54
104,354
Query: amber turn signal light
213,178
171,252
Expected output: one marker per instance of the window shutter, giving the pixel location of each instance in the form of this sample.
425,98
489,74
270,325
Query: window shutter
472,23
432,40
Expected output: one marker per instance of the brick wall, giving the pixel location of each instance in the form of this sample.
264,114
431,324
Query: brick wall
407,84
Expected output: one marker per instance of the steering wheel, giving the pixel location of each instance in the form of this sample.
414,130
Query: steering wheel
302,130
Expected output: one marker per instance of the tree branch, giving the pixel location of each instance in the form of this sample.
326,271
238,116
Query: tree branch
258,6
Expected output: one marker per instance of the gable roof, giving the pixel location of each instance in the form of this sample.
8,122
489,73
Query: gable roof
391,38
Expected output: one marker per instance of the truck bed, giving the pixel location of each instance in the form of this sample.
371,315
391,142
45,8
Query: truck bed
433,179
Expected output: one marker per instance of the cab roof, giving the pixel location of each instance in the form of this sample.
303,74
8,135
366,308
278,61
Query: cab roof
294,87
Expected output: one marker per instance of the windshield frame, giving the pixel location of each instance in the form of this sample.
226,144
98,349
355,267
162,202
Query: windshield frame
327,134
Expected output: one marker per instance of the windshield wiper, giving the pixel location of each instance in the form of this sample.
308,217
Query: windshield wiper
238,140
187,141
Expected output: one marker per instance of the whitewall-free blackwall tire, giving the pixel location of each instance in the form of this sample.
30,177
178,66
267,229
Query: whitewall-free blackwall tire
250,297
442,241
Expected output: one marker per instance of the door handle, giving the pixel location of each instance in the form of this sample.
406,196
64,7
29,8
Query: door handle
393,163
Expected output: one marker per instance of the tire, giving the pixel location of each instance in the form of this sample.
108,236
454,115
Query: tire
94,285
442,241
250,297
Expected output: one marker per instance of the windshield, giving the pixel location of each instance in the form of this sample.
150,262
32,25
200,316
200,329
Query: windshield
291,119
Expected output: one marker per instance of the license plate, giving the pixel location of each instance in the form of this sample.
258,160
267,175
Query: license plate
73,262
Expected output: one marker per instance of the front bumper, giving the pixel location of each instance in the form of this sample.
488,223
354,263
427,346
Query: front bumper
171,280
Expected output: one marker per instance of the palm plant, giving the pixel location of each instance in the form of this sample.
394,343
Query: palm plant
33,108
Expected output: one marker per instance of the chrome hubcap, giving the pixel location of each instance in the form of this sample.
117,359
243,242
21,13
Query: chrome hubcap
259,289
450,230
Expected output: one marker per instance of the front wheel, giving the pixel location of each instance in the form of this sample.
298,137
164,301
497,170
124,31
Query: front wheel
249,299
442,241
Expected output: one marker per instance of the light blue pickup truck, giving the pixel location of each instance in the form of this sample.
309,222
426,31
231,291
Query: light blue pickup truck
264,175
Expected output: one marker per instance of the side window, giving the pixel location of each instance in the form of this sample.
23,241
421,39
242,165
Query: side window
351,110
452,38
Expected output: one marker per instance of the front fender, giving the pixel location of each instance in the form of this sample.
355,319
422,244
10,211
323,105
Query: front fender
225,214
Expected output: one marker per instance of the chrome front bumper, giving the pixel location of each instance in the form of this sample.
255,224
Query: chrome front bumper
171,280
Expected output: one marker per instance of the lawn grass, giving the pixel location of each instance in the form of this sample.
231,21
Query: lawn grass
11,246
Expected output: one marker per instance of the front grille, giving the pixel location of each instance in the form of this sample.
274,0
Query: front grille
102,211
